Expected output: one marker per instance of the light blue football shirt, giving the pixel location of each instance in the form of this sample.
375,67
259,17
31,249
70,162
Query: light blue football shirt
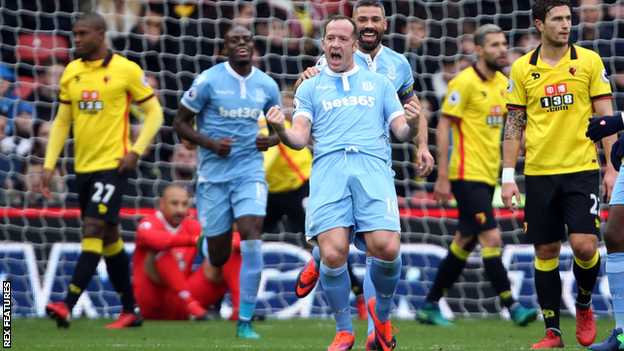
228,106
348,110
391,64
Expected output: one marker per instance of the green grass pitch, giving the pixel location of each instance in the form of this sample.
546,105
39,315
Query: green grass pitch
296,334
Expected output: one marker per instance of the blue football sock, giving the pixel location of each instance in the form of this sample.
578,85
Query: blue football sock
615,274
385,276
337,287
316,253
369,292
250,273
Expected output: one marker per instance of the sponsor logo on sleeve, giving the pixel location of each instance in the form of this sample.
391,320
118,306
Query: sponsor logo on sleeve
604,75
510,85
454,97
192,94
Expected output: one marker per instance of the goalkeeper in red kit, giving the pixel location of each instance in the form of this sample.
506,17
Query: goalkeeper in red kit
164,284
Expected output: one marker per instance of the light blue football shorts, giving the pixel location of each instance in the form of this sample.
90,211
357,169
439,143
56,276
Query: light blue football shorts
220,204
351,189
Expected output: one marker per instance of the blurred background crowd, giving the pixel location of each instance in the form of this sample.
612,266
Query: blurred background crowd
174,40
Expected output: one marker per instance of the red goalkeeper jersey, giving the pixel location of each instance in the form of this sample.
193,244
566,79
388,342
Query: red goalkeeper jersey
155,233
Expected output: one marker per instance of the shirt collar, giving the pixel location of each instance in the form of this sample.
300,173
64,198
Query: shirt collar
342,74
237,76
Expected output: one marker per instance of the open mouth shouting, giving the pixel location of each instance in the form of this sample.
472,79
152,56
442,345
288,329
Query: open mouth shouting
335,58
369,39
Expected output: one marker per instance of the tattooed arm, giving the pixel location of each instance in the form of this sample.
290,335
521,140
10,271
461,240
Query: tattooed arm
511,147
514,128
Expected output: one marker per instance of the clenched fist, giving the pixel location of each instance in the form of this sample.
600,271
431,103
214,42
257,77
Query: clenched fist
276,118
412,114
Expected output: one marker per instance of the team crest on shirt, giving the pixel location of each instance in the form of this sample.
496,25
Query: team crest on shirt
574,70
391,72
107,78
368,86
260,94
604,75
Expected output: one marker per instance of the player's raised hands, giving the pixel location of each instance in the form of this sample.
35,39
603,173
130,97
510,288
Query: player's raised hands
46,177
412,114
309,73
263,142
276,118
222,147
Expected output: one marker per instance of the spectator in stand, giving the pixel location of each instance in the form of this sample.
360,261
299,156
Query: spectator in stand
418,49
7,168
528,41
467,44
143,44
618,85
166,246
279,48
28,192
450,68
42,134
592,32
21,142
119,15
10,105
513,55
45,96
182,168
245,14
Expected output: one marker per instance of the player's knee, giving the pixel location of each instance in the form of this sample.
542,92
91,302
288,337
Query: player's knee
219,259
334,257
93,230
613,238
465,242
547,251
388,252
490,238
585,250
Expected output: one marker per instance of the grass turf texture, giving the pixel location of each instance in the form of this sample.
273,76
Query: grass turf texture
297,334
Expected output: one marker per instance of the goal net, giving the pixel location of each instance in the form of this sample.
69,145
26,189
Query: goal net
173,42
